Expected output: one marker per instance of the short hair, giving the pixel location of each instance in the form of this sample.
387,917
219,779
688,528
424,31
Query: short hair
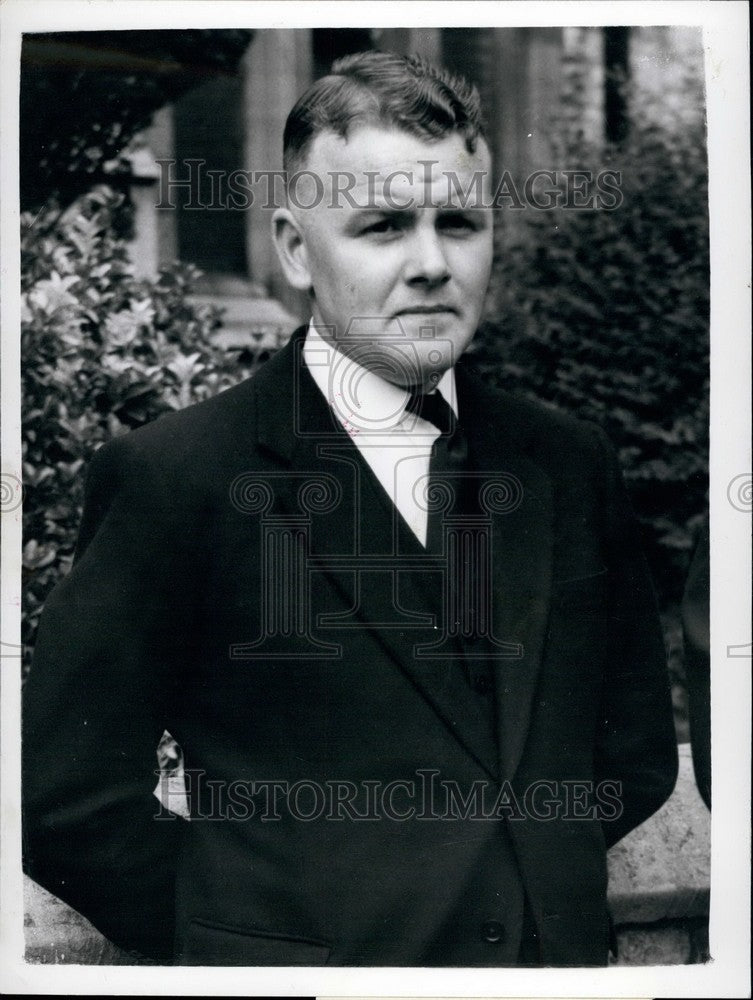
381,88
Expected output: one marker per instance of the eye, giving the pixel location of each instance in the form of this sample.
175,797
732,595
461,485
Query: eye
459,222
386,225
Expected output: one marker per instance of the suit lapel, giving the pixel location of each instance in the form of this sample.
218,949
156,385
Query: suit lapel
522,539
522,533
354,541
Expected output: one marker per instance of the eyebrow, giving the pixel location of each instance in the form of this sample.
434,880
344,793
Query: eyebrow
382,210
412,206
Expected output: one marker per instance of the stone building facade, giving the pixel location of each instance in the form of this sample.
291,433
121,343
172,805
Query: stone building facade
531,80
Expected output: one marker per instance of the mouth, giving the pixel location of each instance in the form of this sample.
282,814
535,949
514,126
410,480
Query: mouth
427,310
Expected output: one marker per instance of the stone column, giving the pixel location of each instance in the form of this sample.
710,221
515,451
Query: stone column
277,68
142,191
160,138
155,235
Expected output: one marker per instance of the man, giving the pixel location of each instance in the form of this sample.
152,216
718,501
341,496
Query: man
397,621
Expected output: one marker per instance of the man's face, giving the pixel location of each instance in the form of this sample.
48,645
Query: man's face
398,259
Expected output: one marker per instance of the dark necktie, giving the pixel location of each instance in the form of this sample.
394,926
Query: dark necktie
432,406
449,457
449,473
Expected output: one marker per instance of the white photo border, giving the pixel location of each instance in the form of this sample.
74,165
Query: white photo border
725,28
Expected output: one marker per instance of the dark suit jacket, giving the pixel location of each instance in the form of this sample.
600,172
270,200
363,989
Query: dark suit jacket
178,614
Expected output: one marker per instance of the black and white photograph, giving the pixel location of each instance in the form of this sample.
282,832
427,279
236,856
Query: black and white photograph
369,610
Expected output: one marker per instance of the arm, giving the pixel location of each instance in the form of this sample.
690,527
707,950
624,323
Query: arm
695,628
100,692
636,743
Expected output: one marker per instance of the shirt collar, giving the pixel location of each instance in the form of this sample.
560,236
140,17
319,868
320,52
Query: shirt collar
361,398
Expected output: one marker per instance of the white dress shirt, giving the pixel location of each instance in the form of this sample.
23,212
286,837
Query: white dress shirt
397,445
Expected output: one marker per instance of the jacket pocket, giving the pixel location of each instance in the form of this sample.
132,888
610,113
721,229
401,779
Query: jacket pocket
575,938
208,943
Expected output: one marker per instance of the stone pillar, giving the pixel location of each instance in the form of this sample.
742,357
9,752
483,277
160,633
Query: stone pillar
277,68
583,81
525,102
543,110
155,235
395,40
160,137
144,248
426,42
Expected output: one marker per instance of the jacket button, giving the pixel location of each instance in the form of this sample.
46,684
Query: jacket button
492,931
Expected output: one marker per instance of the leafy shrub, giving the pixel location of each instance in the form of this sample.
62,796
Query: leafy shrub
102,353
84,94
605,314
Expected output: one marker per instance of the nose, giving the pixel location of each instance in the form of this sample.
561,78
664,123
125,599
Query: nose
427,264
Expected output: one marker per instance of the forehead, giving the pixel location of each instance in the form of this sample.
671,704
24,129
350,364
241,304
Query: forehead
376,158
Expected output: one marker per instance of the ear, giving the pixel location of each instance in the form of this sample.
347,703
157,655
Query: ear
291,248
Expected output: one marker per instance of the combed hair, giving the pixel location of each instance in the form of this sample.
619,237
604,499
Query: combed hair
380,88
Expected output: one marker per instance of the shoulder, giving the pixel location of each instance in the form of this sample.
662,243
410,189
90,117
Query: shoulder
546,434
196,428
222,430
214,434
163,475
542,426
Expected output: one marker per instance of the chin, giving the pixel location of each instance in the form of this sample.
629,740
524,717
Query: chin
441,353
